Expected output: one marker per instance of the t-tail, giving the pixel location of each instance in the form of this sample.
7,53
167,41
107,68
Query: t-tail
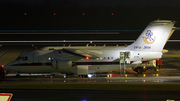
154,37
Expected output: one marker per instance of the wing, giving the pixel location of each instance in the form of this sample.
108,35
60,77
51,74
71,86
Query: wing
92,54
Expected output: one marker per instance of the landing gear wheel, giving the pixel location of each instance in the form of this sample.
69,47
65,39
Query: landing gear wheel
18,75
140,70
70,75
83,76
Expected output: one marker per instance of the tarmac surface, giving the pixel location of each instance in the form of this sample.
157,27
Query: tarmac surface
60,95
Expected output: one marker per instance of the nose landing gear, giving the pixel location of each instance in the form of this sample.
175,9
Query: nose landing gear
18,75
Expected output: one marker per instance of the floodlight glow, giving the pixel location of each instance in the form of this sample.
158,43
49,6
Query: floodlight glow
89,75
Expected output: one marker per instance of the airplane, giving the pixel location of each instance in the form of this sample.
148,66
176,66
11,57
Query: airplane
83,60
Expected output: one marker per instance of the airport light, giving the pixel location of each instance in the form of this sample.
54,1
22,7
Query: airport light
24,13
83,13
0,45
112,13
89,75
54,13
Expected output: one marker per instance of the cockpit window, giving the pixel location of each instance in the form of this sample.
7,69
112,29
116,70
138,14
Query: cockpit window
22,58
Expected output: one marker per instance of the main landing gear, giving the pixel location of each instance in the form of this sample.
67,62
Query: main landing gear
83,76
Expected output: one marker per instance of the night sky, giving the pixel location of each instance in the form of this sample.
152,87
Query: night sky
112,3
85,14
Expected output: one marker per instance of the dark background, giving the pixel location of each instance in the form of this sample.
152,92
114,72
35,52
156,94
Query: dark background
127,14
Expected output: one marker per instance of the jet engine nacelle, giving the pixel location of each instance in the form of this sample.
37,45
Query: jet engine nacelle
61,64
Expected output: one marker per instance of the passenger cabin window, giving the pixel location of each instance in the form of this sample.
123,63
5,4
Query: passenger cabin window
22,58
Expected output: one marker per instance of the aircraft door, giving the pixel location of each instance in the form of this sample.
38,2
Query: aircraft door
36,57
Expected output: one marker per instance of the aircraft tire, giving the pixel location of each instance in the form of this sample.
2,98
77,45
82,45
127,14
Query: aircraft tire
85,76
70,75
18,76
140,70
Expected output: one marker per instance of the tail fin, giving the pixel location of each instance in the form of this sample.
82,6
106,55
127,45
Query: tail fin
154,37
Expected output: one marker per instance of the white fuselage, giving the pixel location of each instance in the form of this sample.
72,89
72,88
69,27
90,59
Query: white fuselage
101,59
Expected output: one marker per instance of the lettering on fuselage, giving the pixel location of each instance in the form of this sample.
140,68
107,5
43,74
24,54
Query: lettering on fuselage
142,47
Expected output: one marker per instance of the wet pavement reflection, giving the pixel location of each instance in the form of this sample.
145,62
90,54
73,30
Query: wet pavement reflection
130,76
